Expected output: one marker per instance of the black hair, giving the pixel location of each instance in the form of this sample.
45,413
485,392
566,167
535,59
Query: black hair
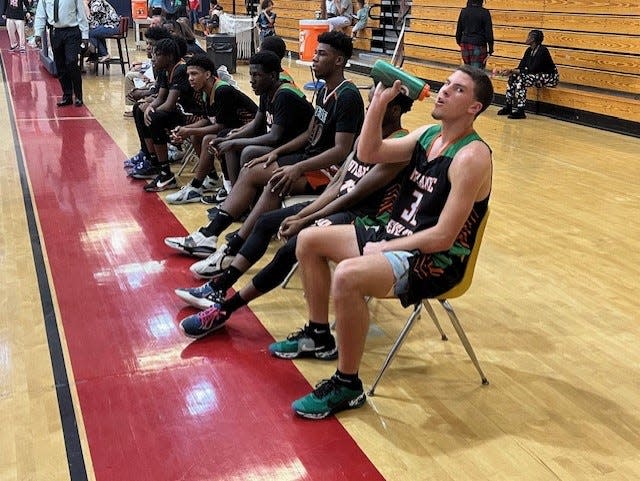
537,35
167,46
268,60
157,33
182,45
401,100
274,44
265,4
482,86
203,62
475,3
338,41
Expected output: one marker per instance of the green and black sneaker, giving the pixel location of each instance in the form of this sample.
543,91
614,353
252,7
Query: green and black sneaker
306,342
329,397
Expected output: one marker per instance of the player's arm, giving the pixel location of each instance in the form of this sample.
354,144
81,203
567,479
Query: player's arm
373,149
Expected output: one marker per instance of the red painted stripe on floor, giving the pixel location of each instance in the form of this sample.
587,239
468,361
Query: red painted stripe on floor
155,406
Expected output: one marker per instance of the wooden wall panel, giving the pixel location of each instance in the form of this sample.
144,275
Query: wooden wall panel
613,7
609,24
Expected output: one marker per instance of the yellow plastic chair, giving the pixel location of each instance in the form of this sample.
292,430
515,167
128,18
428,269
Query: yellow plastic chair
456,291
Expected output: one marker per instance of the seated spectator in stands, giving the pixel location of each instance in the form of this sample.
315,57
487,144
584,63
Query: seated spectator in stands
343,11
266,20
361,17
474,34
327,9
302,166
184,30
536,69
155,119
359,192
420,253
136,75
211,21
103,22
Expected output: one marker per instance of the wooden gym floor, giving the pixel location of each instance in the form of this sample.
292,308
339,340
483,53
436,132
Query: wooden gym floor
96,382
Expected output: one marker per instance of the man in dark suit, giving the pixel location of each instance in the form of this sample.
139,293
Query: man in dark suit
67,21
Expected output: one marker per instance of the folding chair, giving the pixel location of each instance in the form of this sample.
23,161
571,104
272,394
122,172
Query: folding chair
456,291
188,156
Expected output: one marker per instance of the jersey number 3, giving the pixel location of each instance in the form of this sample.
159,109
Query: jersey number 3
409,215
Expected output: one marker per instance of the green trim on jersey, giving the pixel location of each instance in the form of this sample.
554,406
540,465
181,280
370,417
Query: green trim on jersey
427,138
217,84
293,89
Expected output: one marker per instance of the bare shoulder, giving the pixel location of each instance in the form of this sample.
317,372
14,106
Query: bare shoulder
471,170
475,154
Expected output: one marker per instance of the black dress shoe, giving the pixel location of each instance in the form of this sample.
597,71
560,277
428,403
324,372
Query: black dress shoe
79,103
64,102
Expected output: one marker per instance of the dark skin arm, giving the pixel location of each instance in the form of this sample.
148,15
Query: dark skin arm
284,177
377,177
294,145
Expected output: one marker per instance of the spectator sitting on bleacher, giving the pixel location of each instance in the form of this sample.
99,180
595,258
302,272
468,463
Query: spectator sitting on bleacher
137,85
343,12
304,165
536,69
212,20
358,193
361,17
226,108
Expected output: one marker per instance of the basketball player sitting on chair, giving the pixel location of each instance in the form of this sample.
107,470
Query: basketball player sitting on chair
422,250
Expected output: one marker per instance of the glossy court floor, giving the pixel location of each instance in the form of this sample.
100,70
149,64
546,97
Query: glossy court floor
96,381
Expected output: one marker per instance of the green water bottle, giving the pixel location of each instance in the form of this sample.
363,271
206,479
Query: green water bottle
412,86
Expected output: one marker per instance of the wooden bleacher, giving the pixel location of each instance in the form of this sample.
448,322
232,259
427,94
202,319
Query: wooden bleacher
290,12
596,46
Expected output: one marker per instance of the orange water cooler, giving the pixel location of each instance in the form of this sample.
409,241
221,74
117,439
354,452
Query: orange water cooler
139,9
309,31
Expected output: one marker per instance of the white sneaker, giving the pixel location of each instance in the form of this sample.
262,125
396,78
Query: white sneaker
210,184
216,262
185,195
195,244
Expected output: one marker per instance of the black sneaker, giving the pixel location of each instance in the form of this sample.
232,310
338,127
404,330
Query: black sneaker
214,199
306,343
506,110
162,182
517,114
